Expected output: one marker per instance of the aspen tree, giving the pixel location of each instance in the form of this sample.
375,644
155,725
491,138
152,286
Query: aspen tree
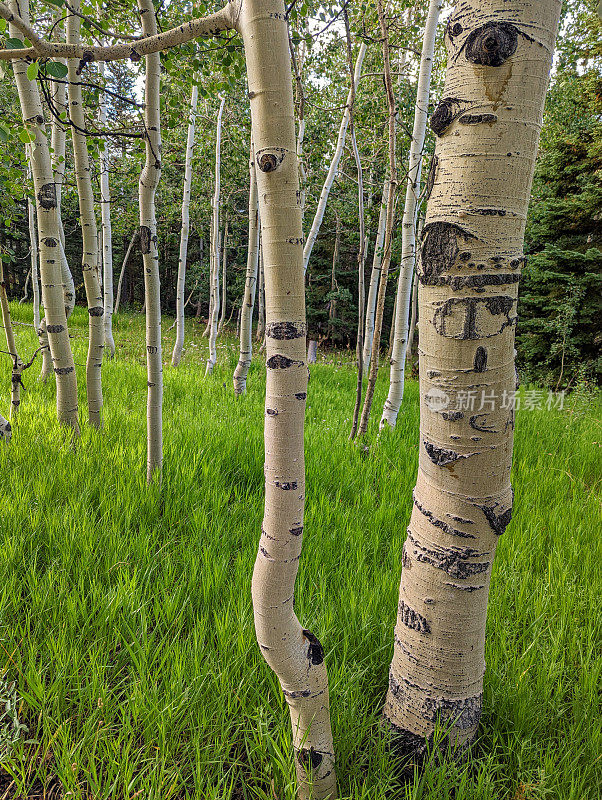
35,287
180,316
334,164
408,224
487,124
48,233
15,380
260,333
105,216
215,251
246,317
149,180
133,240
294,653
224,264
89,231
392,187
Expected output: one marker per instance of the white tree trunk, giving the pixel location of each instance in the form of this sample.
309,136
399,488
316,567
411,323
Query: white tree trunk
408,225
107,239
312,351
294,653
377,257
260,334
133,240
224,266
15,381
488,124
215,252
179,345
89,232
48,237
334,164
149,180
246,317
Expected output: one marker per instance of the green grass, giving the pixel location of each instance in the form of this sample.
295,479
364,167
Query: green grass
125,611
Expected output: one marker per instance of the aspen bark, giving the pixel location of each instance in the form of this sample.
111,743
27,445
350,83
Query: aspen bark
35,287
215,252
48,237
5,430
180,316
332,307
377,257
15,380
89,232
408,224
487,124
312,351
334,164
224,265
246,317
413,317
294,653
107,238
149,180
260,334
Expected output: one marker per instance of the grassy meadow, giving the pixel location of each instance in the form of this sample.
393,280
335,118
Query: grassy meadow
125,611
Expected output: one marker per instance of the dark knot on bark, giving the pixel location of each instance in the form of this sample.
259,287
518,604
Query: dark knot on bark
444,114
268,162
492,44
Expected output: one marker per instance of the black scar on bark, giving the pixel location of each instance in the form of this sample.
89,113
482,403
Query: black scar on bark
271,412
96,311
480,360
430,181
453,561
145,239
285,330
47,196
63,370
478,426
492,44
469,588
452,416
268,162
301,395
476,119
296,531
412,619
50,242
55,328
315,651
443,526
444,114
464,712
309,758
476,282
497,522
441,456
439,250
281,362
496,305
287,486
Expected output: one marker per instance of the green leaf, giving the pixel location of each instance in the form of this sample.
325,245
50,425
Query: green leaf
4,133
32,71
2,25
14,44
26,137
56,69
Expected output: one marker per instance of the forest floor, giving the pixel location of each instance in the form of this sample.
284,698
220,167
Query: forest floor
125,611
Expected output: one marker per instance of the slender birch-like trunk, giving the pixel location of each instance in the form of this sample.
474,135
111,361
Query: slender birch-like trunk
15,380
294,653
133,241
5,430
260,334
180,316
26,285
334,164
488,124
377,257
312,351
40,328
224,265
413,317
149,180
386,260
214,315
408,225
107,238
89,231
246,317
332,306
48,236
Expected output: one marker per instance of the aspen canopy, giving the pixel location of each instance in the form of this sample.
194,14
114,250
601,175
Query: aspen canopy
311,210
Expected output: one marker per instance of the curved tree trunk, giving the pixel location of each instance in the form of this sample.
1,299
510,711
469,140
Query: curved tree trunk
133,241
408,225
499,57
414,314
246,317
260,334
215,252
48,238
334,164
89,232
377,258
27,279
107,239
149,180
294,653
40,328
224,265
180,316
15,380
